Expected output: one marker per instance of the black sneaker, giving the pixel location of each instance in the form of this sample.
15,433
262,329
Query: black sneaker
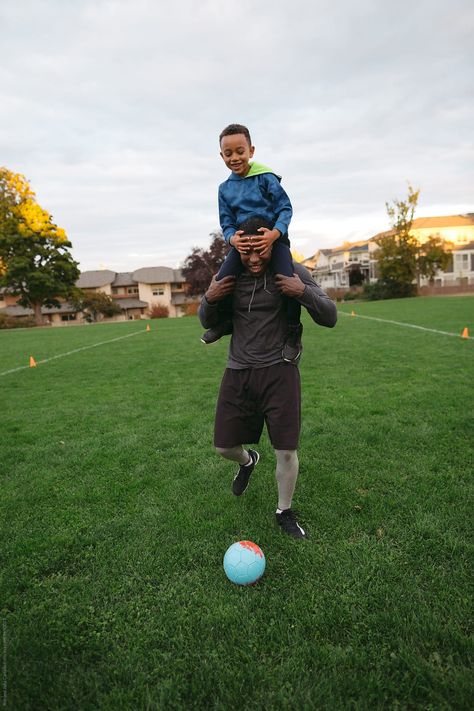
288,523
213,334
241,479
292,348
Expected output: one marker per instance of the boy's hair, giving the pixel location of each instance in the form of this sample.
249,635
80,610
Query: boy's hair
252,224
234,128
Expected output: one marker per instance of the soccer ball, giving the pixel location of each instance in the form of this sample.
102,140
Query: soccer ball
244,563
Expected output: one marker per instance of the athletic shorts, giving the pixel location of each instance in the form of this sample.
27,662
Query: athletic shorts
250,397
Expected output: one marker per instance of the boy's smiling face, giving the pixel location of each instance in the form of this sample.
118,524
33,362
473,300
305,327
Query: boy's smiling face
236,153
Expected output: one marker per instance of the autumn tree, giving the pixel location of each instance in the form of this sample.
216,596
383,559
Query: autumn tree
35,262
202,264
398,249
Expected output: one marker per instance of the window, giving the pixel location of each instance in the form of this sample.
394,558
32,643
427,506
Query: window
158,292
472,262
462,260
132,290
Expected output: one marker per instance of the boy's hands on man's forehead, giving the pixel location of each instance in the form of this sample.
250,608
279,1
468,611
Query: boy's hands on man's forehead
263,242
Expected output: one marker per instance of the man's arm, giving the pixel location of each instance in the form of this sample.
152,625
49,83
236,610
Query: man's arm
304,289
208,308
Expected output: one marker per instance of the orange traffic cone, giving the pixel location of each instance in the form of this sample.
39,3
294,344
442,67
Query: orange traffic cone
148,327
465,333
32,362
353,313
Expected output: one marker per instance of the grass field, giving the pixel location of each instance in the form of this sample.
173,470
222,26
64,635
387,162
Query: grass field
116,514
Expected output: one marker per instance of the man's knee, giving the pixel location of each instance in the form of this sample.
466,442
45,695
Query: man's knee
287,457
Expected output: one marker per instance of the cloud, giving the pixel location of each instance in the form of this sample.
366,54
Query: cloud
113,109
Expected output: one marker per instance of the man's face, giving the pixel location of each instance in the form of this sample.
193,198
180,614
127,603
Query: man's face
254,263
236,153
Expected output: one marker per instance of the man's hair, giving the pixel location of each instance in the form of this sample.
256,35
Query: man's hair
234,128
253,224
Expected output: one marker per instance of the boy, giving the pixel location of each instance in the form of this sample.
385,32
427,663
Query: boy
253,189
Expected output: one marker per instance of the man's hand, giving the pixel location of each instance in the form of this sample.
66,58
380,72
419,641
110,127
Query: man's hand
290,286
239,242
218,290
263,243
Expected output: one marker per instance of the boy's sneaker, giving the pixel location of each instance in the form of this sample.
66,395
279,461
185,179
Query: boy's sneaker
287,521
292,348
241,479
213,334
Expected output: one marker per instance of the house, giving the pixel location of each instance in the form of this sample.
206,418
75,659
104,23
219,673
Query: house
135,292
337,268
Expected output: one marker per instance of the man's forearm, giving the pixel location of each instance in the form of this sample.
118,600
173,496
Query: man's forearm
208,313
319,306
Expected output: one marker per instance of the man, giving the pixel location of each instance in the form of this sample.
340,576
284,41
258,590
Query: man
258,385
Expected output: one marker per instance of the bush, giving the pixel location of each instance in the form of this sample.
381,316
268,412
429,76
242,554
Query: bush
192,308
388,290
352,295
159,311
15,322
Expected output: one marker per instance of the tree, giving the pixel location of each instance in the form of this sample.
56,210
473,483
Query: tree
95,304
201,264
398,249
35,262
432,258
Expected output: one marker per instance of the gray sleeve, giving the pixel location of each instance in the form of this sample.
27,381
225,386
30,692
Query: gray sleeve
318,304
208,313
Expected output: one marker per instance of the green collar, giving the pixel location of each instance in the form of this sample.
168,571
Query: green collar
259,169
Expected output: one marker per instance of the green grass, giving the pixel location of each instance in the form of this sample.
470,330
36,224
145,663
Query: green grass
117,513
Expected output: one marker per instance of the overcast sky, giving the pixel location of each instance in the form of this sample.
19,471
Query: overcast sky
112,109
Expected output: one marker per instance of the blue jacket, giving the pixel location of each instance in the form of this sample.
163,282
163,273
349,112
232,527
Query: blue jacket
259,193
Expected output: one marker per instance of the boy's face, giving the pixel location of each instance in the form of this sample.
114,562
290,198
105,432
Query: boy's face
236,153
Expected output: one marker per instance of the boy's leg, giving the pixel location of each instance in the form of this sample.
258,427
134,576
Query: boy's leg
232,266
282,263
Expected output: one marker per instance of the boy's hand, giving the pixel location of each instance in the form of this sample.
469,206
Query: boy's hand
239,242
263,243
290,286
218,290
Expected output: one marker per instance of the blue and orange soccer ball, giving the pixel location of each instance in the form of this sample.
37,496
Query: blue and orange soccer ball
244,563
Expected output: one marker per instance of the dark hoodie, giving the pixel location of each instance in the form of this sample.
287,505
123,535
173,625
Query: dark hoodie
260,319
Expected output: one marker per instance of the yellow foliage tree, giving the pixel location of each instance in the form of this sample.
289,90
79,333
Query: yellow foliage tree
35,262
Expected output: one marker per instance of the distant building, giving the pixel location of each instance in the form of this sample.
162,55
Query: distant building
135,292
339,267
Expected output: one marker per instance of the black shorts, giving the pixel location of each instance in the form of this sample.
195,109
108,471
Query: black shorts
250,397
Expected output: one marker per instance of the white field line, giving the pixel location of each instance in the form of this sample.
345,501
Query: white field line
76,350
407,325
